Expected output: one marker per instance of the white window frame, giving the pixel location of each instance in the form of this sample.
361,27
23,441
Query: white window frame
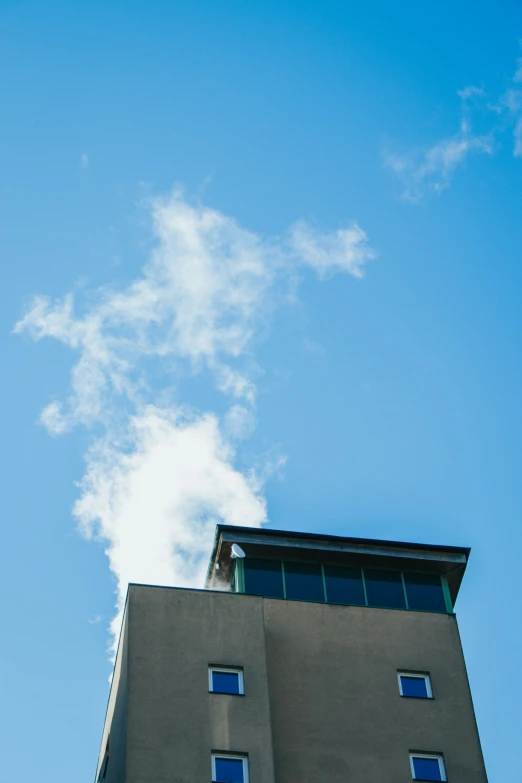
425,677
232,756
226,670
434,756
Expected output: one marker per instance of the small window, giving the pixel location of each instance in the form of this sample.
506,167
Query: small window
304,581
425,766
227,768
221,680
424,592
384,589
415,686
263,577
344,585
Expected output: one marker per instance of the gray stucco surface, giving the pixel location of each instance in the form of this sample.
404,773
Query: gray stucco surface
336,709
114,733
321,694
173,721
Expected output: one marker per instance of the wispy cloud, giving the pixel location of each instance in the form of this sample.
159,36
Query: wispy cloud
517,78
207,289
514,106
430,169
84,160
162,473
344,250
517,133
312,346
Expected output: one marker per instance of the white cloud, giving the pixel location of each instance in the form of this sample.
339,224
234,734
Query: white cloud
344,250
52,419
203,295
239,422
430,169
518,73
471,91
159,478
156,501
512,100
517,151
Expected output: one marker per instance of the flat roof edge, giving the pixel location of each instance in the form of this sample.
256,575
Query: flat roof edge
265,533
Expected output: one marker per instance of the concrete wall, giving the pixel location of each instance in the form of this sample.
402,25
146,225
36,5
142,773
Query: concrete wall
336,710
322,701
173,721
114,730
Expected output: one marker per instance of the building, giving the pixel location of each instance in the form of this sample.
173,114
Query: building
312,659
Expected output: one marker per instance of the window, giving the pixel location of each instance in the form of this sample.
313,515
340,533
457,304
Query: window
384,589
344,585
304,581
425,766
221,680
263,577
227,768
424,592
415,686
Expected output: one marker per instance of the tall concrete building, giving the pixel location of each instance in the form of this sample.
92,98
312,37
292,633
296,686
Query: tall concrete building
308,659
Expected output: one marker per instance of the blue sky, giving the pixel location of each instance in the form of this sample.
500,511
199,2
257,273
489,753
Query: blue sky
352,367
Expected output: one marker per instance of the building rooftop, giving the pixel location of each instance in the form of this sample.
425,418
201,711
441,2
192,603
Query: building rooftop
447,561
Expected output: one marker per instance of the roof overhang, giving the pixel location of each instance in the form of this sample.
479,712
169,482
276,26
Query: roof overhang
450,561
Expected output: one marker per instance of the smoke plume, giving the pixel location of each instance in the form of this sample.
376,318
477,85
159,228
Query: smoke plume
162,473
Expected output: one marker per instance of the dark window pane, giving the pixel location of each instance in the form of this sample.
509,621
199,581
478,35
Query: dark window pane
225,682
424,592
384,588
344,585
229,770
414,687
304,581
426,769
263,577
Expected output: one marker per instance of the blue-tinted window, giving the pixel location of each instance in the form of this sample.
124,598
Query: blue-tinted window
384,588
424,592
344,585
226,682
304,581
263,577
426,768
228,770
415,687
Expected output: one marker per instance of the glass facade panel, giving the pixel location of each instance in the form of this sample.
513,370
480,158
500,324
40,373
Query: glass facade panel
344,585
304,581
228,770
424,592
426,769
225,682
384,589
263,577
415,687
